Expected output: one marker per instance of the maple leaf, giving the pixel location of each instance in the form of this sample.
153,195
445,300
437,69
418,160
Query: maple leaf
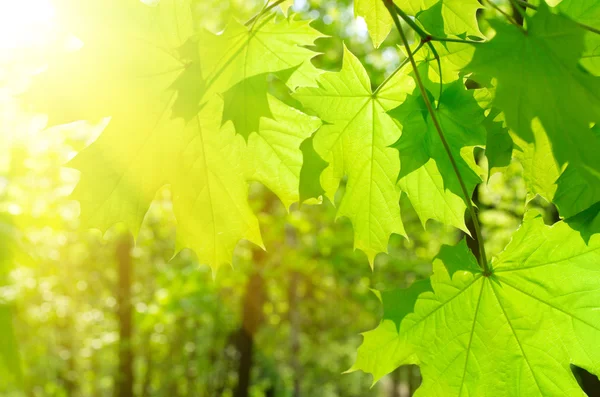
310,174
209,189
145,70
246,103
426,174
586,12
529,321
438,17
355,142
124,70
539,85
245,51
444,17
453,57
274,153
377,17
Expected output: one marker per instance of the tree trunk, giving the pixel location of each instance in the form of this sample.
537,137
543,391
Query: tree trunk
396,387
147,383
124,378
295,332
294,316
252,318
191,371
414,379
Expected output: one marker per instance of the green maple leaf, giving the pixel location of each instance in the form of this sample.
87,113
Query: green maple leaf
274,153
355,142
146,73
587,222
438,17
539,79
245,51
124,70
210,191
246,103
515,332
426,174
377,17
445,17
588,13
584,11
310,174
498,146
453,58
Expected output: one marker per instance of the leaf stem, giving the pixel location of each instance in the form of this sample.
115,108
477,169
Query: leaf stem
482,255
506,15
518,6
407,19
439,63
262,12
426,37
581,25
455,40
402,64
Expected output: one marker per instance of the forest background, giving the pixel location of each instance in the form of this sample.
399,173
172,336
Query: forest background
83,314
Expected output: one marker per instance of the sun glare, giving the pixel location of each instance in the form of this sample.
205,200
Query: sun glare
24,23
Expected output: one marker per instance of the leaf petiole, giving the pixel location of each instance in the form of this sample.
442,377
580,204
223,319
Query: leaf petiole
402,64
487,271
264,10
506,15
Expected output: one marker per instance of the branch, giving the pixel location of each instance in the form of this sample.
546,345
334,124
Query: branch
482,255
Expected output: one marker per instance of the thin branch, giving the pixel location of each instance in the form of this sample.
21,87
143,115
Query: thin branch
582,25
482,255
402,64
262,12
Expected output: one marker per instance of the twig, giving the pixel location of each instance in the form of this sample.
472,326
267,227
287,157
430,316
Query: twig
482,255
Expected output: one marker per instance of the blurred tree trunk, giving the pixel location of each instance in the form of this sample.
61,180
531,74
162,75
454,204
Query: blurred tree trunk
396,376
147,382
191,371
295,332
68,376
124,378
294,315
252,318
414,379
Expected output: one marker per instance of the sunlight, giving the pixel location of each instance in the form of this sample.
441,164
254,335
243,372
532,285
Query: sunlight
24,23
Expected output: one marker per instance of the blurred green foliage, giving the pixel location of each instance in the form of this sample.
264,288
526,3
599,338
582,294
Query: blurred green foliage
306,300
